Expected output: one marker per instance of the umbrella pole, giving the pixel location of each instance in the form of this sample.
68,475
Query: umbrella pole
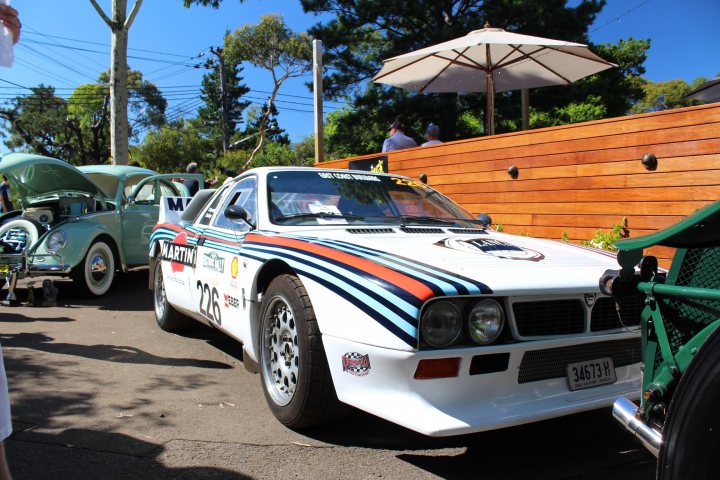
490,91
525,101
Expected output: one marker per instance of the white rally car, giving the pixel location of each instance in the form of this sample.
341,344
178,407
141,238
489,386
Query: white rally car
377,291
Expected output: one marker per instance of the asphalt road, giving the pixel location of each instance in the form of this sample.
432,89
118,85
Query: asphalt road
98,391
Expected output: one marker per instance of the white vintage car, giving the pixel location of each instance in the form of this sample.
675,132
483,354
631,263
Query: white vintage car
374,290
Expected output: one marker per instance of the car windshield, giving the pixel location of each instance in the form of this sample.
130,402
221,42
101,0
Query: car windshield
357,198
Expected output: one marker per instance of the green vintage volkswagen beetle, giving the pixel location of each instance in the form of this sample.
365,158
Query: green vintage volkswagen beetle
85,223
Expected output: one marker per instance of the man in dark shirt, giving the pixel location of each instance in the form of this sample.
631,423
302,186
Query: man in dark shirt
5,203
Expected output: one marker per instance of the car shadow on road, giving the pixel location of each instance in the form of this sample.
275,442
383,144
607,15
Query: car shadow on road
89,454
550,449
132,285
110,353
20,318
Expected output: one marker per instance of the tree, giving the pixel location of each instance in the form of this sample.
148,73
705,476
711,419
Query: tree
37,123
78,129
362,34
172,147
662,95
210,114
119,26
271,45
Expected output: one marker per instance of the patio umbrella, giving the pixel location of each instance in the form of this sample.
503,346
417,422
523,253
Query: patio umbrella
708,92
491,60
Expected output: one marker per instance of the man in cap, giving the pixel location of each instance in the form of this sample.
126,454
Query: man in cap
431,135
192,184
397,139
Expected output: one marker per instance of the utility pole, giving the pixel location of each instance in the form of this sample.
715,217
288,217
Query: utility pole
318,100
218,52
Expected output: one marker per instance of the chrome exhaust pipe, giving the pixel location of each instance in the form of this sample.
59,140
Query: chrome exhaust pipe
624,412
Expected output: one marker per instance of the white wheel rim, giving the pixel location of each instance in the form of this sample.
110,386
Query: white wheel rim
281,355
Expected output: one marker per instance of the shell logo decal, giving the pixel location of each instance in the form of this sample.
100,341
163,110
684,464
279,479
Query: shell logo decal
234,267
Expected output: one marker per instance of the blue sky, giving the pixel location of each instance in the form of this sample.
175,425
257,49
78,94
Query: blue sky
66,44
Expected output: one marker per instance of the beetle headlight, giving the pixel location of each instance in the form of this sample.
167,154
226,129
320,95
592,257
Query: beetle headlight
441,324
485,321
56,241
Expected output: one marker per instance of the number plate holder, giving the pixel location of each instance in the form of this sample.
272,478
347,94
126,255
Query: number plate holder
591,373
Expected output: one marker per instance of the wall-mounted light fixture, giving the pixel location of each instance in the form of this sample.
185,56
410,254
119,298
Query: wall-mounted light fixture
649,161
513,171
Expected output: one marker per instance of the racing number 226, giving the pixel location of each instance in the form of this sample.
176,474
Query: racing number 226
209,305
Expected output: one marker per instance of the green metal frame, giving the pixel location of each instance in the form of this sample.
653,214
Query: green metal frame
682,308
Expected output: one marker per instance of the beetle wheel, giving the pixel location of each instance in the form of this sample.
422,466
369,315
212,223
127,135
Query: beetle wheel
95,274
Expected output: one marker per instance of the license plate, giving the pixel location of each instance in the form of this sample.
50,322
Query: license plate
591,373
4,268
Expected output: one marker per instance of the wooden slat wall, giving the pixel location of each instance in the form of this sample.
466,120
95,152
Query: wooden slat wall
576,179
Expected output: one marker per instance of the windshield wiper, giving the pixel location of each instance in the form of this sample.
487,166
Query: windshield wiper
295,216
419,219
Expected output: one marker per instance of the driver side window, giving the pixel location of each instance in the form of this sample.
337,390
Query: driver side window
245,195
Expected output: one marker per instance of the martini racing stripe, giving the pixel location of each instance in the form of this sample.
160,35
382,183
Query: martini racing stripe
364,286
365,277
411,285
409,338
459,285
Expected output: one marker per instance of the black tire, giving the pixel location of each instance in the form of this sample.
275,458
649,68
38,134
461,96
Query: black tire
95,274
691,434
166,316
295,375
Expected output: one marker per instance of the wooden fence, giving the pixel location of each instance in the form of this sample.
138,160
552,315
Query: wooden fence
574,180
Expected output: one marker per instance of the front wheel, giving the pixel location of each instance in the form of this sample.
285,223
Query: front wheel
95,274
691,434
293,366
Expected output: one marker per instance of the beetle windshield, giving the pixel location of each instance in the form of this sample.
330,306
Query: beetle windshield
338,197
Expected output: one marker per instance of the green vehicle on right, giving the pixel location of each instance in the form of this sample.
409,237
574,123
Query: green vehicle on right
678,418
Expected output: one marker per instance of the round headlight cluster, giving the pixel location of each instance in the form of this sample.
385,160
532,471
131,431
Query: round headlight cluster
56,241
442,322
485,321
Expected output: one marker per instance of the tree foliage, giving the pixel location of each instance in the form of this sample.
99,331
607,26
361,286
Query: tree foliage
172,148
663,95
78,129
37,123
363,34
210,114
273,46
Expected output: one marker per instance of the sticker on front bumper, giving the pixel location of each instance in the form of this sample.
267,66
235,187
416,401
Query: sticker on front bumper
356,364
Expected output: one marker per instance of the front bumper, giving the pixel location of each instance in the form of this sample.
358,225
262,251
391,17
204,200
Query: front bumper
473,402
35,265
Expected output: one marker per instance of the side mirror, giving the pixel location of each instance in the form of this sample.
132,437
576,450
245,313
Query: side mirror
485,219
236,213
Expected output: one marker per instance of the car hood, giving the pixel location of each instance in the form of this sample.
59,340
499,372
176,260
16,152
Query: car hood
507,264
32,176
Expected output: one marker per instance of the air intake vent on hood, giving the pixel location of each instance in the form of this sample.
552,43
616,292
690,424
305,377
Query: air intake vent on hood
367,231
472,231
422,230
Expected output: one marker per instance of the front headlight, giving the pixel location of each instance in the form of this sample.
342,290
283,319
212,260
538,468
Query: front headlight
441,324
485,321
56,241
